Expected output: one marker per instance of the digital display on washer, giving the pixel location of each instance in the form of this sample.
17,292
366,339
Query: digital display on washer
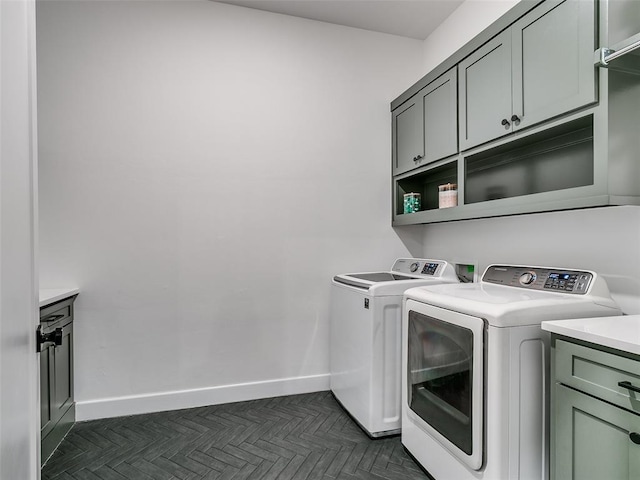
559,276
429,269
564,281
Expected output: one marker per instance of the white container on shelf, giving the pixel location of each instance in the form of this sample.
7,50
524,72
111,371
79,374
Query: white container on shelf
447,195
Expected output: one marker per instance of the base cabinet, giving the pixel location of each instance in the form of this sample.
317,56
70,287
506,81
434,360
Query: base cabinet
595,421
57,407
593,439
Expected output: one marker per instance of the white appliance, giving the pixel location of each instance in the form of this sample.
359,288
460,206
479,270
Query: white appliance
475,362
366,316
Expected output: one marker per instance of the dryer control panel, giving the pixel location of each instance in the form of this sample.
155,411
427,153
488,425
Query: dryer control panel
539,278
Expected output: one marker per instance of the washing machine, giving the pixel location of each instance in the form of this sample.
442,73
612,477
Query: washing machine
475,363
366,317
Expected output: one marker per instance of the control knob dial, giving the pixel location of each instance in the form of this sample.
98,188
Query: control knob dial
414,266
527,278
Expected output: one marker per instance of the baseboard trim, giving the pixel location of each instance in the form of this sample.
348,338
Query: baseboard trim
200,397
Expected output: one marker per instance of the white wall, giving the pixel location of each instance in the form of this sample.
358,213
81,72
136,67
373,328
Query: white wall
606,240
205,169
467,21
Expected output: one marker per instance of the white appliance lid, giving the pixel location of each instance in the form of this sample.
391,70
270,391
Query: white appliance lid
405,273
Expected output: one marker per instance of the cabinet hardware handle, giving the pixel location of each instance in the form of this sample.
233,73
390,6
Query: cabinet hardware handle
629,386
419,157
54,337
515,118
635,437
52,318
505,122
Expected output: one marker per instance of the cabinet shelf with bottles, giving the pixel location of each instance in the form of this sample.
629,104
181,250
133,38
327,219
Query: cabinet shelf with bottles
425,183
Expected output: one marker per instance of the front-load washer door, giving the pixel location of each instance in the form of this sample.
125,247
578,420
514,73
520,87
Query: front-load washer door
445,368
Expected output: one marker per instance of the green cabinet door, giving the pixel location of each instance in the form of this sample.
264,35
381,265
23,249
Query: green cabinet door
553,70
440,117
424,128
593,439
485,92
406,132
539,68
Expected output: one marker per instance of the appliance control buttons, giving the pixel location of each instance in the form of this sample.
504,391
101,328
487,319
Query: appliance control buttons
564,281
582,287
414,266
528,278
429,269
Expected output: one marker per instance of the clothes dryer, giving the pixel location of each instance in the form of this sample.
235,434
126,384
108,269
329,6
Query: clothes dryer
475,362
366,317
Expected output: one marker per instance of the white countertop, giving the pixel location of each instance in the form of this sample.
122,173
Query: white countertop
52,295
621,333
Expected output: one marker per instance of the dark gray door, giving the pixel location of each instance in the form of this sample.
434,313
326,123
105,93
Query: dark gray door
62,394
57,406
553,69
46,377
485,92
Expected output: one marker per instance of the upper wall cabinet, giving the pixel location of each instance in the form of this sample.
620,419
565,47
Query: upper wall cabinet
541,126
424,129
539,68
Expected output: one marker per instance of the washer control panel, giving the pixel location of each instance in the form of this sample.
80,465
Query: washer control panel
539,278
418,266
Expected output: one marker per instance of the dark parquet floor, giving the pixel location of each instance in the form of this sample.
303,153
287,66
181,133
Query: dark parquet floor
298,437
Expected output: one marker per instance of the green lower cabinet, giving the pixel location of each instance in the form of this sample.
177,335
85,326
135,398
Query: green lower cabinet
593,439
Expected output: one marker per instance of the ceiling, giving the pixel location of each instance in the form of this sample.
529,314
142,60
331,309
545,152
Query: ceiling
407,18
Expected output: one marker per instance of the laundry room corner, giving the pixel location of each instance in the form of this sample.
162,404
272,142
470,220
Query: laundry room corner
205,169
